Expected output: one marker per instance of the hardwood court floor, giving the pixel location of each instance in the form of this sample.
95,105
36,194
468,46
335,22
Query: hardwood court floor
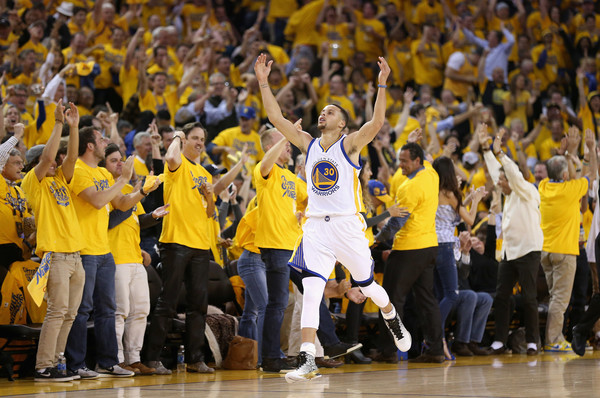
547,376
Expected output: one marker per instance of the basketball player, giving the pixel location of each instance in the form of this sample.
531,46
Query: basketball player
334,229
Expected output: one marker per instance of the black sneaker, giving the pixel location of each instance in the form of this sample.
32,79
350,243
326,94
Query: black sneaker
276,365
401,336
339,349
51,375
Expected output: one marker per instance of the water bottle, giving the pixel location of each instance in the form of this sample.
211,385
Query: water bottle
61,366
181,359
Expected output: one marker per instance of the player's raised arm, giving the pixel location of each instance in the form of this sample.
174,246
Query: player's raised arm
356,141
300,139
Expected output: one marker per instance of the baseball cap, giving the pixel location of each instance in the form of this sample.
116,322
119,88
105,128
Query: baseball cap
470,158
378,190
215,170
592,94
501,5
248,112
34,153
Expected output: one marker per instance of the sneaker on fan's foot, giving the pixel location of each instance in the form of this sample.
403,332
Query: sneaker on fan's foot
159,368
87,374
199,367
51,375
113,371
306,370
142,369
563,346
401,336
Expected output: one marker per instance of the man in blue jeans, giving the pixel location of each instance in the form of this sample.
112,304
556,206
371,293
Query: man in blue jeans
277,230
93,189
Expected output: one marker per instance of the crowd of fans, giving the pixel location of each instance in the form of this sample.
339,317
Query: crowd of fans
501,96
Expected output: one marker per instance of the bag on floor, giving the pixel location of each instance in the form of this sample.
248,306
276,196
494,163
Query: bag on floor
242,354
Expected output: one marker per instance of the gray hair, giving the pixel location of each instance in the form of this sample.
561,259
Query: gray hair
557,166
137,139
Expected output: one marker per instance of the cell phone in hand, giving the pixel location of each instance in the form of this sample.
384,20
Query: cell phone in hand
230,188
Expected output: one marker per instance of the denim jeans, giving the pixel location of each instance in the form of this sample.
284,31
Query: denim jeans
278,278
472,310
253,272
99,297
446,279
181,265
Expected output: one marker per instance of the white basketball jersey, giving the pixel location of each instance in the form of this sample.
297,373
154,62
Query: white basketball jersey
332,180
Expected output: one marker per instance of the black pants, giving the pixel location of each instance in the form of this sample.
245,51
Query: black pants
181,264
524,270
579,293
406,270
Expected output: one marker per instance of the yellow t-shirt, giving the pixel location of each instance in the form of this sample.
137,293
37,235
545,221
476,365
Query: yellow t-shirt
341,47
277,226
93,222
40,51
168,101
56,221
424,13
195,14
424,72
520,109
234,138
129,82
187,222
140,167
106,59
102,31
341,100
549,73
365,42
125,238
13,210
548,149
246,230
560,209
420,196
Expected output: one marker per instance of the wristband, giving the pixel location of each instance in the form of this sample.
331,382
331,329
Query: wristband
382,86
142,192
177,136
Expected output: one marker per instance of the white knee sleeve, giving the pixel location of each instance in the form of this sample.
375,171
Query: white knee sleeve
376,293
311,299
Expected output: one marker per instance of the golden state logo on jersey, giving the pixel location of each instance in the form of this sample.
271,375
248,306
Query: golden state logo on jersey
324,177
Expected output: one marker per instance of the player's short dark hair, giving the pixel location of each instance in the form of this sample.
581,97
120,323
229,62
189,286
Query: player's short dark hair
345,116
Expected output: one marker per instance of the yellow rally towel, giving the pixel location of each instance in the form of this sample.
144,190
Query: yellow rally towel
37,286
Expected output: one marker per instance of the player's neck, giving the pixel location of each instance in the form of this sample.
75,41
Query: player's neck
329,137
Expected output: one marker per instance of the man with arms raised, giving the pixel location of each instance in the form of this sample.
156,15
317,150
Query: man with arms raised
334,230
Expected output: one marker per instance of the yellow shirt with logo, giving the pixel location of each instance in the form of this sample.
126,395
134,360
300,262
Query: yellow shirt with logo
93,222
13,210
365,42
419,195
125,238
234,138
277,226
56,220
187,222
341,43
106,59
560,209
41,52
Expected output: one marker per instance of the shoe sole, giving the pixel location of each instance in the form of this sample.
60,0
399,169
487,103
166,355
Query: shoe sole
308,377
406,342
54,380
348,351
282,371
110,375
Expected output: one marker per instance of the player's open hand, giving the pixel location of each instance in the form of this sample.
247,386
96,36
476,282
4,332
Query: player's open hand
262,68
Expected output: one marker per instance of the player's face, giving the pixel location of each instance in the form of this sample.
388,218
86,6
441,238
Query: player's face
330,117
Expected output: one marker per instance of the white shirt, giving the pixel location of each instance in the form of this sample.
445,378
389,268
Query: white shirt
332,180
521,220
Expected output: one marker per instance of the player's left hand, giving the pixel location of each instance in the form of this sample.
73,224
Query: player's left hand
384,70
